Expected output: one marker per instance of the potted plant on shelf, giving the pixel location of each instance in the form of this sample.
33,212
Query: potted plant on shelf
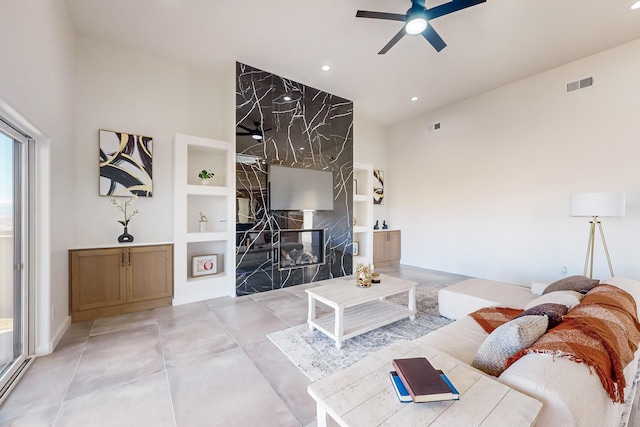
128,216
205,175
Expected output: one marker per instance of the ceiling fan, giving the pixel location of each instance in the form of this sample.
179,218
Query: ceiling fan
417,20
255,133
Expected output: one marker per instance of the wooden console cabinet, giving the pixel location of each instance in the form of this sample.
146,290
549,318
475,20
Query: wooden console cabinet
386,248
110,281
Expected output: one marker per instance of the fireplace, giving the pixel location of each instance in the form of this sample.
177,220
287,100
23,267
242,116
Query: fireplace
300,248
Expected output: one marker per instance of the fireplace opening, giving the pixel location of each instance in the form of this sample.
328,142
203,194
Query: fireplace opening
300,248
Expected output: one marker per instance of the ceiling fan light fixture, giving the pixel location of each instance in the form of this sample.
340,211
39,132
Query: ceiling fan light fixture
415,25
416,20
256,136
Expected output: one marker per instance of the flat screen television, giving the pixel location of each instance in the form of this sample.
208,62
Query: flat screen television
296,189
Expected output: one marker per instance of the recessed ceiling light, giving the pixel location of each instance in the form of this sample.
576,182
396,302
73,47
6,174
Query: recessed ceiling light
636,5
325,68
414,98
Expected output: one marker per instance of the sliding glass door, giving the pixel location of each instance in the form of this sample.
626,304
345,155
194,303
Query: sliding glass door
15,326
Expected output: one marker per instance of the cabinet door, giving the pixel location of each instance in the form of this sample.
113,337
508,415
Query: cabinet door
149,272
98,278
393,246
379,247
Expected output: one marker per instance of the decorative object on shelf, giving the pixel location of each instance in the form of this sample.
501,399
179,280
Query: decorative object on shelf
384,225
356,248
376,226
203,222
205,175
128,216
203,265
363,275
375,277
378,187
355,221
125,164
355,186
597,205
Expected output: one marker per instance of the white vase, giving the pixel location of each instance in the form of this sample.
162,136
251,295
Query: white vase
204,182
202,226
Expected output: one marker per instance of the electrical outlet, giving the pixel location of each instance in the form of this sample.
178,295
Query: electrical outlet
564,270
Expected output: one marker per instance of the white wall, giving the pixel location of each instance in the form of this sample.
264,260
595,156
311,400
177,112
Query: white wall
488,194
370,146
122,90
36,89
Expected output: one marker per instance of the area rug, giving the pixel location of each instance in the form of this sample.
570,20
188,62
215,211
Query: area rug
316,356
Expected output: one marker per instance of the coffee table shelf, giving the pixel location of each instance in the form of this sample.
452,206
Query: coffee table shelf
359,310
363,318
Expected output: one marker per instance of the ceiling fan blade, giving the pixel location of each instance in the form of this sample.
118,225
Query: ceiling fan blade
266,130
393,41
380,15
434,38
453,6
242,133
245,128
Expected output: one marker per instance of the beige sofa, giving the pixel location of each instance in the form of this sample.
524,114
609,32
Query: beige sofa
570,393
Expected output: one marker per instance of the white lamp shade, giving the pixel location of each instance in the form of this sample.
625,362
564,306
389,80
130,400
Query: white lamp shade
597,204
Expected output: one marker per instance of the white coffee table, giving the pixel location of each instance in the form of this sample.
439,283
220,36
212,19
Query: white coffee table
358,310
362,395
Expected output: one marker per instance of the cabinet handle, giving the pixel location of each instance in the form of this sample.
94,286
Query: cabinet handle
129,252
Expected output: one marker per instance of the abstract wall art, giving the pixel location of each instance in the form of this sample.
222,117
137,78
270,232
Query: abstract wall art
125,164
378,187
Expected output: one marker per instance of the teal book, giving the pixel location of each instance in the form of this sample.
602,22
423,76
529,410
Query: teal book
456,394
401,390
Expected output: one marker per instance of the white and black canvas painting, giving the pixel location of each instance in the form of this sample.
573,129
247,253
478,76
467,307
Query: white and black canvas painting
125,164
378,187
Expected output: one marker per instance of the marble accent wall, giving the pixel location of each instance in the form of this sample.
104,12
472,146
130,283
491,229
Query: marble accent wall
300,127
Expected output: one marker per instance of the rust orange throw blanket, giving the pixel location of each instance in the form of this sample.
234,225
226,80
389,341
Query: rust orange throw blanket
602,332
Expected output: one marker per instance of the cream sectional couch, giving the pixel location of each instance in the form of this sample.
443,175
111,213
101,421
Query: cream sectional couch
570,393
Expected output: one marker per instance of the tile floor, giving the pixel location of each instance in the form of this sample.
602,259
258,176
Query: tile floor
202,364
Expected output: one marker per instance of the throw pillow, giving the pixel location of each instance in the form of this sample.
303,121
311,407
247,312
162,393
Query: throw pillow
506,341
580,284
552,310
568,298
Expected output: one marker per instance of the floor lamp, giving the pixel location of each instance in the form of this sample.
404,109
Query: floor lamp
596,205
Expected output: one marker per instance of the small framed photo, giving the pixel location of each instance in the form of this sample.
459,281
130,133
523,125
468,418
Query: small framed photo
203,265
356,248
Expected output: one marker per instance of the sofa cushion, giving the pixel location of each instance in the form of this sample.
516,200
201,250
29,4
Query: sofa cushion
568,298
580,284
506,340
462,298
552,310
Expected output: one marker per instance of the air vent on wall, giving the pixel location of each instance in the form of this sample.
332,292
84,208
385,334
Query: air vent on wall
434,126
579,84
